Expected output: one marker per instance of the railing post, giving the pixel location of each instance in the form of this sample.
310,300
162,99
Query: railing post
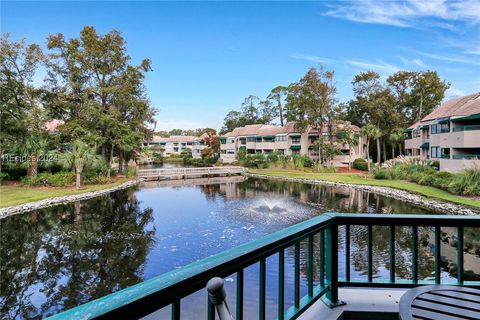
217,296
331,297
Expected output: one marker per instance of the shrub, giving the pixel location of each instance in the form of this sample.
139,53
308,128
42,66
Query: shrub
131,172
63,179
466,182
59,179
14,172
4,176
382,174
257,160
360,164
322,169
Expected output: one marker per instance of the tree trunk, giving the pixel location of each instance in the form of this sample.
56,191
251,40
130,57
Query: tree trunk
121,163
400,149
349,159
77,180
33,168
384,150
379,152
110,160
393,151
368,154
280,111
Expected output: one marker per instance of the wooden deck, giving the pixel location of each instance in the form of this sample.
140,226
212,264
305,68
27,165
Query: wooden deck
188,173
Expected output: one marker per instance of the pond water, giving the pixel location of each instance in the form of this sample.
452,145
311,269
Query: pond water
56,258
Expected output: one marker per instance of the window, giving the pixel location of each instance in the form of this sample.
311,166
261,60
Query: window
435,152
281,138
230,140
440,128
243,140
295,140
295,151
251,139
445,153
230,151
417,133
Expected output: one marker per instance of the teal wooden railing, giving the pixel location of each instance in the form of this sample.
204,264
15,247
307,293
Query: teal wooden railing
169,289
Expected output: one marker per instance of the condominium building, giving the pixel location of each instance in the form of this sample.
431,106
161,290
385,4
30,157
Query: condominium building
260,138
177,144
450,134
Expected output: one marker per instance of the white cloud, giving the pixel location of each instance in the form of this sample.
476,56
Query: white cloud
453,93
379,66
414,62
408,13
311,58
475,51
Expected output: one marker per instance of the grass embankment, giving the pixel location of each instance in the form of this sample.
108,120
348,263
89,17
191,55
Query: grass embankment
16,195
362,179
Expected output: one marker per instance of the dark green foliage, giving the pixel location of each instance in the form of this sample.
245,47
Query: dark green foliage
360,164
63,179
463,183
467,183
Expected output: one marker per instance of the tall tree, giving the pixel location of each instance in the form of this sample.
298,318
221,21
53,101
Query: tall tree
416,94
277,97
252,111
97,92
375,104
22,112
370,131
310,103
396,138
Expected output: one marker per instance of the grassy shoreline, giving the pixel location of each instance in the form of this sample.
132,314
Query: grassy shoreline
352,178
17,195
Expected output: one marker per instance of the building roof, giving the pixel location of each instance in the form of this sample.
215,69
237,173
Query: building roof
463,106
158,139
52,125
268,130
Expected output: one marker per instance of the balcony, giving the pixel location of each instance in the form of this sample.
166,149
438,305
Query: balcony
467,128
169,289
466,156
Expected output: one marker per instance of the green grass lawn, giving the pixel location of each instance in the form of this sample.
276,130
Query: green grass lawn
429,192
15,195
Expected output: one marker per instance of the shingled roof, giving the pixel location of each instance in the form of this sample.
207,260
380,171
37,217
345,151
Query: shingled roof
267,130
463,106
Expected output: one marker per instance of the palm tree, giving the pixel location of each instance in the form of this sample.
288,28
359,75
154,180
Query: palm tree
370,131
351,138
33,147
80,155
396,137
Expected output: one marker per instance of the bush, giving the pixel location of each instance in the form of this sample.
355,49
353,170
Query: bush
382,174
14,172
466,182
4,176
63,179
131,172
360,164
322,169
59,179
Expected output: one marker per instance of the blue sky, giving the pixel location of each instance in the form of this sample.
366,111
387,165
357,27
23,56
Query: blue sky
208,56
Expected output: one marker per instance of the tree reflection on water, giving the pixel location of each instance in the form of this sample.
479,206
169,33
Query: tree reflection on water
57,258
60,257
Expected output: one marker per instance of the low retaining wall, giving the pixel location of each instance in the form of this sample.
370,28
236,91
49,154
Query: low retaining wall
4,212
391,192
